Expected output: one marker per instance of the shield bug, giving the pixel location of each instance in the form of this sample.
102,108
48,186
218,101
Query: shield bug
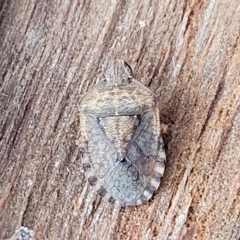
123,154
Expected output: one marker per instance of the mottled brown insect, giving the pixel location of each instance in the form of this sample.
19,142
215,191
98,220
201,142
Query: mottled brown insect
123,155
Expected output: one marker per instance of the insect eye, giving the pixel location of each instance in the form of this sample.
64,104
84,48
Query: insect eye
128,67
103,78
129,70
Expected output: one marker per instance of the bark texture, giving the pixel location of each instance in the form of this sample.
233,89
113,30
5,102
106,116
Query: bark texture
52,52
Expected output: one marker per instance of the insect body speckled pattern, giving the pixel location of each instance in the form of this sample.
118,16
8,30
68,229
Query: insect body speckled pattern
123,155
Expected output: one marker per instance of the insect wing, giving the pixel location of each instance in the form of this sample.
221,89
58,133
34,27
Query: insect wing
100,151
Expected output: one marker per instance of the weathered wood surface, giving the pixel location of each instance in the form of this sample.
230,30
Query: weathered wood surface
52,52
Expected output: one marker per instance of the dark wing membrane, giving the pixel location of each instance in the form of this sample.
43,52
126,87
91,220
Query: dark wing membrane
101,153
142,151
124,183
